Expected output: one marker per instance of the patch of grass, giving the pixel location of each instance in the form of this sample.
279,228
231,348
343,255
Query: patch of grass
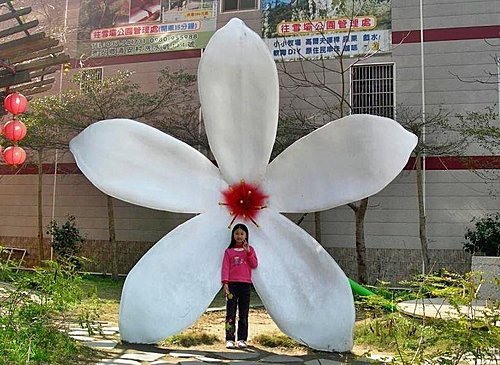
191,338
29,312
104,286
101,300
276,340
387,332
42,344
414,340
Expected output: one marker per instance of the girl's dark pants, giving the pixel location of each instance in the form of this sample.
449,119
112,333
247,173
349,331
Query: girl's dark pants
240,299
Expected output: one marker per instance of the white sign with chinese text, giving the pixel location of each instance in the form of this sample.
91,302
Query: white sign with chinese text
330,45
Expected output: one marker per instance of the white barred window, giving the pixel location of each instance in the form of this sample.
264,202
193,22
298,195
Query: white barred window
372,89
237,5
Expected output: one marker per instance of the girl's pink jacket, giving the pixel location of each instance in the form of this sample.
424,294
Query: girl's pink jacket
237,265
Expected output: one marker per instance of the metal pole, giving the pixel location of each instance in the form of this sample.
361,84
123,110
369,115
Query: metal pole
422,70
61,73
498,81
200,119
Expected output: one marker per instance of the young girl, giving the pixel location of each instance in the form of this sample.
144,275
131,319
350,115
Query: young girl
239,260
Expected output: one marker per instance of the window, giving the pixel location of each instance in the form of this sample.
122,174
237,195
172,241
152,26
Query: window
236,5
89,76
372,89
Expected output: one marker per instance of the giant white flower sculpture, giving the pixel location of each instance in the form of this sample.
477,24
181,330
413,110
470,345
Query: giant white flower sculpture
303,289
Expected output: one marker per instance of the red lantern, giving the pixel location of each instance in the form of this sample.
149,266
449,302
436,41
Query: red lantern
15,103
14,155
15,130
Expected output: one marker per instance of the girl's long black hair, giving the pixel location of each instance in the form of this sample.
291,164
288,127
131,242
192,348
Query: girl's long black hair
240,226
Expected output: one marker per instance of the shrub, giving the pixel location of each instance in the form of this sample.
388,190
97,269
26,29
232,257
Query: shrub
276,340
192,338
66,241
485,236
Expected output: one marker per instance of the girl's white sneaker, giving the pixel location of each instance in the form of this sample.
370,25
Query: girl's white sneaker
230,345
242,344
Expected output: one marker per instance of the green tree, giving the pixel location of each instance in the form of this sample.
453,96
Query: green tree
441,133
116,96
483,129
42,137
321,88
426,130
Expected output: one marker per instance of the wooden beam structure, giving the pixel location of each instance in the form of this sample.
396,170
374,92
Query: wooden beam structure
27,58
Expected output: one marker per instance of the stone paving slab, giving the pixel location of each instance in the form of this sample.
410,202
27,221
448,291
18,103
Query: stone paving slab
254,363
281,359
240,355
190,362
119,361
187,354
323,362
111,328
143,356
107,332
79,332
82,338
208,359
151,354
101,344
440,308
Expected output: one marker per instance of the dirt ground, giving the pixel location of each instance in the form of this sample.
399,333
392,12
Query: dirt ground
213,323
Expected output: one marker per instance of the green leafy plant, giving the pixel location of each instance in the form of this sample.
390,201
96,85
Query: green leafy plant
432,340
30,309
66,241
484,238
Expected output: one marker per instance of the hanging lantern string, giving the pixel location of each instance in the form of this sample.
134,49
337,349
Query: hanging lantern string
15,130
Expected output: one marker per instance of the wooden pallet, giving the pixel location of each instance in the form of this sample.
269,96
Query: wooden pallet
13,254
27,58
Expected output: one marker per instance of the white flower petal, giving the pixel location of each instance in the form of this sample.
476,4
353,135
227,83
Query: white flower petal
304,290
139,164
175,281
346,160
238,86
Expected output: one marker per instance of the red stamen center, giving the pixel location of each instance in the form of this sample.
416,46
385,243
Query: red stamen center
244,200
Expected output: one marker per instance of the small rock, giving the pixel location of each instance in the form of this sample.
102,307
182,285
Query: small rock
382,358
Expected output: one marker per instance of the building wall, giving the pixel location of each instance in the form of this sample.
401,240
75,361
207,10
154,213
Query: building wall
453,197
